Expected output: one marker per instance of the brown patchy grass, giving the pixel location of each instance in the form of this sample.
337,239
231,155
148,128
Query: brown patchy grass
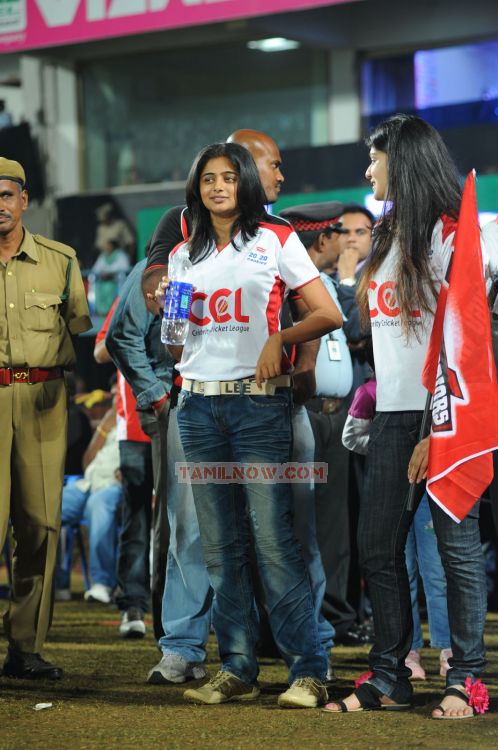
103,702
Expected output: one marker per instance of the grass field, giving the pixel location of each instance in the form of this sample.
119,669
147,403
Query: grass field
104,702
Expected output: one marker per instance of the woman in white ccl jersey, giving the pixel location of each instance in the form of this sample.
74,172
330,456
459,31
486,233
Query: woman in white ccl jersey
235,407
411,170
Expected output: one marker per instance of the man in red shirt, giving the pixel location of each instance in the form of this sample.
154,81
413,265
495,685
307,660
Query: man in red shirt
138,485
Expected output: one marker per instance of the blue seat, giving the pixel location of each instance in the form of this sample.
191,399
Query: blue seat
70,534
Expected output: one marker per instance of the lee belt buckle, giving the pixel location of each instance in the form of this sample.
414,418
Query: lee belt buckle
21,376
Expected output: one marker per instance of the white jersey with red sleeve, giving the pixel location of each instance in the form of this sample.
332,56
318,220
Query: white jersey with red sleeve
237,302
399,361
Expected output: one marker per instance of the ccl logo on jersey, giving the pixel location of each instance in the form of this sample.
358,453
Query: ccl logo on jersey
387,303
223,305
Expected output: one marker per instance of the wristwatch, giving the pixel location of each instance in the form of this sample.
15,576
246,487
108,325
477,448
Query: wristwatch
348,281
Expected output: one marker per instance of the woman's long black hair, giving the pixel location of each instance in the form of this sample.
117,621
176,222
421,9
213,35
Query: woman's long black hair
251,198
423,184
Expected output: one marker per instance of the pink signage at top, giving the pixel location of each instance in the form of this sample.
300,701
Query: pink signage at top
31,24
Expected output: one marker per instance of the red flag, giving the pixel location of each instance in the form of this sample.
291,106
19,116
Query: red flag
460,373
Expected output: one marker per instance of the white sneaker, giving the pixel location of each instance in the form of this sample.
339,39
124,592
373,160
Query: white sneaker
305,692
174,668
132,623
98,593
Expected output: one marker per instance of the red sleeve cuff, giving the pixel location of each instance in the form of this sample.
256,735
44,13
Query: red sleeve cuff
306,282
157,404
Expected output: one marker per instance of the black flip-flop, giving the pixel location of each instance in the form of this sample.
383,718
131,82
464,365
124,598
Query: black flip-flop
369,698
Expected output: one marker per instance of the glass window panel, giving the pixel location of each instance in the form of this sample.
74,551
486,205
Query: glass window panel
146,116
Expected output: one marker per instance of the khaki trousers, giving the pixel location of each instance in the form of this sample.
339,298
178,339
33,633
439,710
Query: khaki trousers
33,430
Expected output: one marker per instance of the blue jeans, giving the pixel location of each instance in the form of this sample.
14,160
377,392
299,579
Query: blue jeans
187,597
383,529
303,495
100,510
251,429
135,463
422,556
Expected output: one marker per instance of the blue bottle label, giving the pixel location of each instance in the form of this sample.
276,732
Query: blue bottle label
178,300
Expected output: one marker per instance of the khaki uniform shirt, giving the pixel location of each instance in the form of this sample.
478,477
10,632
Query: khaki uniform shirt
35,319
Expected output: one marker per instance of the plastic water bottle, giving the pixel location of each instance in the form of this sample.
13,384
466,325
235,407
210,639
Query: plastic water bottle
178,299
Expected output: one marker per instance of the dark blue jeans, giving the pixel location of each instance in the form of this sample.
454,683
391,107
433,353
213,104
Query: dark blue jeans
251,430
156,427
133,563
382,532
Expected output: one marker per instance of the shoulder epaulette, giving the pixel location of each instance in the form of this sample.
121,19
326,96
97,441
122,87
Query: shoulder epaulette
59,247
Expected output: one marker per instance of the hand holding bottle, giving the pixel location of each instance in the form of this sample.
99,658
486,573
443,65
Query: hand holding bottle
160,292
178,298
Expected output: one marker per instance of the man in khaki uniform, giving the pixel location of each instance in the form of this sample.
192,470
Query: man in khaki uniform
42,302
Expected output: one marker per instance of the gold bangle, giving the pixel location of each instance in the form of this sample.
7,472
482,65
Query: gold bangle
101,431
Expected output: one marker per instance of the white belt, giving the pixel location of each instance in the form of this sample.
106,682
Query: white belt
244,387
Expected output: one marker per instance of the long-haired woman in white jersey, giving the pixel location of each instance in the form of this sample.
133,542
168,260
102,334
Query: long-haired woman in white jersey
411,170
234,420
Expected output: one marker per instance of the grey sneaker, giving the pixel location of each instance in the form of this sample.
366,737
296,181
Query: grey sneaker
132,624
222,688
174,668
305,692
